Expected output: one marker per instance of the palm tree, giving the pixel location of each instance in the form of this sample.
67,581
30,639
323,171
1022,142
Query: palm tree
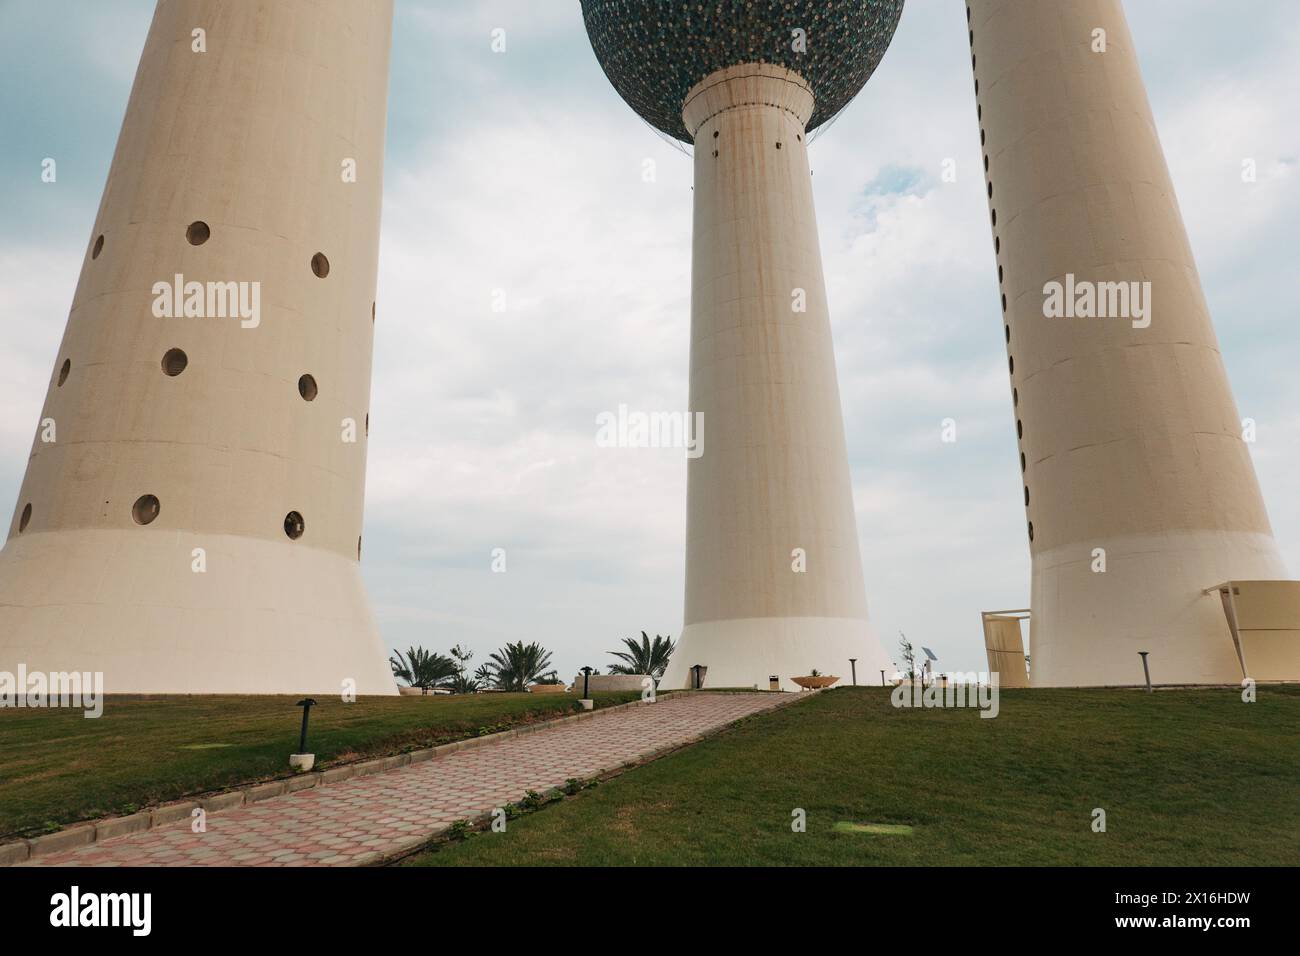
517,665
643,657
421,668
483,676
462,683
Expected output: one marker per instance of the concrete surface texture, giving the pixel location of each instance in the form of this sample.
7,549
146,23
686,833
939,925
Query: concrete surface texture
365,819
773,573
1131,445
191,514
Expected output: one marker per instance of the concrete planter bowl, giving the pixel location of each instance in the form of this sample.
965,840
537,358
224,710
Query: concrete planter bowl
815,683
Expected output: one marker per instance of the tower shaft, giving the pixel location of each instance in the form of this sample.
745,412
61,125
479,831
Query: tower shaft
773,573
1140,491
195,524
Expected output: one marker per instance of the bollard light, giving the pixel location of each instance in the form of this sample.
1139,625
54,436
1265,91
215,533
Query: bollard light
306,704
586,673
1146,671
853,663
882,678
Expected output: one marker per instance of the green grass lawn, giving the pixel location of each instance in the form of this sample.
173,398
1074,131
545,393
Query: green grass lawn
57,767
1191,777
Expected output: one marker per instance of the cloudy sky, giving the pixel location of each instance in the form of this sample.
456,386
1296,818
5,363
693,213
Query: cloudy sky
522,171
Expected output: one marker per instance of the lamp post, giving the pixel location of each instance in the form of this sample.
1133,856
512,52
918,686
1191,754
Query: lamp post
586,697
882,678
853,664
302,760
1146,671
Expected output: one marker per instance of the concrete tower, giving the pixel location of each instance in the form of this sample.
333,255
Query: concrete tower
1131,446
773,573
191,515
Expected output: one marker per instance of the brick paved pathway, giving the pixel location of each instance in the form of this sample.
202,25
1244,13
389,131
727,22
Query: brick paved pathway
368,818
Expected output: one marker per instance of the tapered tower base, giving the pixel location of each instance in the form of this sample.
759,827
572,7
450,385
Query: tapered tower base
747,653
773,573
260,619
1088,626
191,515
1138,488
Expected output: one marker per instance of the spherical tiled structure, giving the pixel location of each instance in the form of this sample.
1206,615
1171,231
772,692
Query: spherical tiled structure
654,51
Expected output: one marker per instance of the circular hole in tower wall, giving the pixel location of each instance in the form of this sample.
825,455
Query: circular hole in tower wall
294,525
64,369
145,509
198,233
320,265
174,361
99,247
25,518
307,387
